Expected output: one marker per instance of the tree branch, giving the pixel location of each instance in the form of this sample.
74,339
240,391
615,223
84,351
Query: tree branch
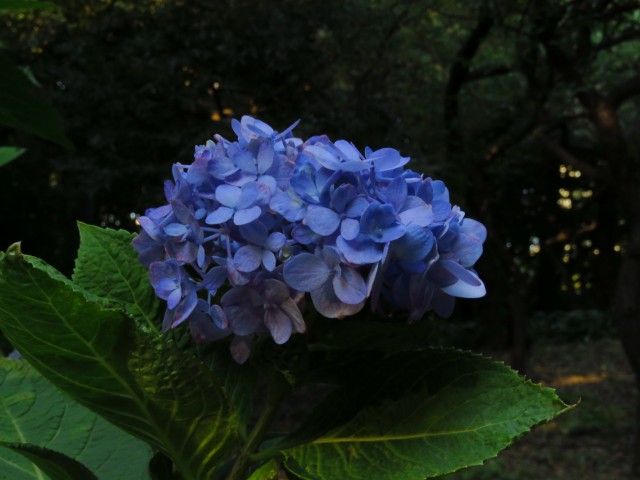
624,90
459,75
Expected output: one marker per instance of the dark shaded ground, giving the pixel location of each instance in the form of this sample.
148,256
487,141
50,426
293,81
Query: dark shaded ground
594,440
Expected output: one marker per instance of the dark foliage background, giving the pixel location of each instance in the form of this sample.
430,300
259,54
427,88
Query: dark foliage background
527,109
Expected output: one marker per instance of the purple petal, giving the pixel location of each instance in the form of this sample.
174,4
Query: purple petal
279,324
290,307
185,308
306,272
330,306
323,157
240,348
321,220
275,291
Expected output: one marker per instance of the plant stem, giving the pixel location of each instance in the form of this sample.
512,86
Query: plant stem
276,391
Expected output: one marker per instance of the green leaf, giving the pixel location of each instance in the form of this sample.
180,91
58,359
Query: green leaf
268,471
137,380
414,415
56,465
8,154
108,267
21,106
6,5
42,424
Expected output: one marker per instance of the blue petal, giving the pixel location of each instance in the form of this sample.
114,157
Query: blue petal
360,251
228,195
349,286
387,159
276,241
321,220
420,215
265,157
306,272
465,283
248,215
175,229
349,228
220,215
414,245
468,246
293,209
268,260
348,150
255,232
324,157
248,258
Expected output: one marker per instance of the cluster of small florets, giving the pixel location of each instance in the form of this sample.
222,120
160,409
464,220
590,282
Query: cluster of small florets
252,225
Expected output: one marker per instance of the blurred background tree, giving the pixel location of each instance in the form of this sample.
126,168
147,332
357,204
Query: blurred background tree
528,109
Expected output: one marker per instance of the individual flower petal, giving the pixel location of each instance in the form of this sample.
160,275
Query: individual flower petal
248,215
240,348
228,195
305,272
248,258
321,220
329,305
360,251
349,228
219,215
349,286
279,324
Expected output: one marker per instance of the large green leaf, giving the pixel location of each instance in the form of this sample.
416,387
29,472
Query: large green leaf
108,266
8,154
7,5
55,465
22,107
38,421
419,414
136,379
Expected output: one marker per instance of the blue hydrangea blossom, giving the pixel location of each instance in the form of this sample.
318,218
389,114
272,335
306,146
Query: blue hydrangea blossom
253,225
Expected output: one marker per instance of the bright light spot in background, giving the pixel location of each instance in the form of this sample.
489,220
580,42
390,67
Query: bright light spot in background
534,246
565,203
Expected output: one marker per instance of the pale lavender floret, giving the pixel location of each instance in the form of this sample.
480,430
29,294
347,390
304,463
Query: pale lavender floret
249,309
337,290
237,203
262,249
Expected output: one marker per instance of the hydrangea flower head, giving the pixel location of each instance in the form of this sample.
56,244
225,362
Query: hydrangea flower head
251,226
